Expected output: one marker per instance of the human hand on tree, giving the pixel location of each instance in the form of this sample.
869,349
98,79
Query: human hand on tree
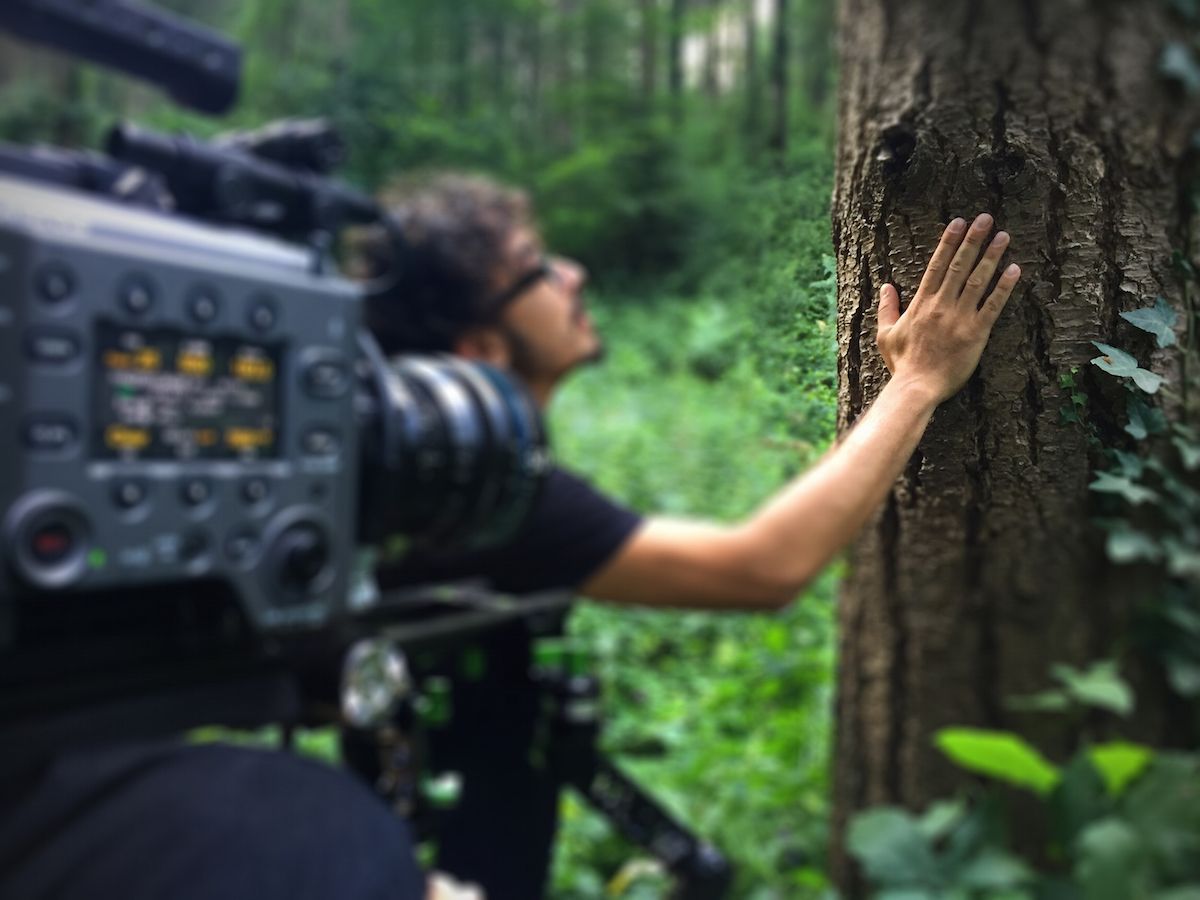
936,343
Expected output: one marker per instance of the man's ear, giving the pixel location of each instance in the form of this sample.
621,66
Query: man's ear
485,345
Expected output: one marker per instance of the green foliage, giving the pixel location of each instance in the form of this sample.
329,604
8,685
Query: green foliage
999,754
1124,823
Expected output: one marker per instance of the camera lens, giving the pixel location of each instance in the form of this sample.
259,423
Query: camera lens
453,452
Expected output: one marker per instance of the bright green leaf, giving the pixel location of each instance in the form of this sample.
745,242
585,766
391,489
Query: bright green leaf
1108,483
1119,763
1099,685
999,754
1159,320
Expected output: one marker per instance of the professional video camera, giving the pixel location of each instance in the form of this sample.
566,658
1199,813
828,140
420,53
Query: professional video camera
208,448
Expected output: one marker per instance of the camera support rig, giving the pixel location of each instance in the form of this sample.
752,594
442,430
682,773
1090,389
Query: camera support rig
81,668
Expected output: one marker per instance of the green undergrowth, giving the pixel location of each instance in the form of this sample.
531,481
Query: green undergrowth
709,401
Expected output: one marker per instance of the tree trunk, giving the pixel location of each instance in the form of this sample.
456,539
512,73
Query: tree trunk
675,76
779,79
981,571
752,75
649,49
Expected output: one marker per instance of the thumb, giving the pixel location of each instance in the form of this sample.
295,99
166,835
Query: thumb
889,306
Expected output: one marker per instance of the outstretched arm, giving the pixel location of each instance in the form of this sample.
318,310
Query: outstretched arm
931,350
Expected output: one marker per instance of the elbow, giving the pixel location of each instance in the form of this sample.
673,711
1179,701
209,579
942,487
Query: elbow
774,593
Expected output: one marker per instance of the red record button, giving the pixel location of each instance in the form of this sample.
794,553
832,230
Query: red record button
52,542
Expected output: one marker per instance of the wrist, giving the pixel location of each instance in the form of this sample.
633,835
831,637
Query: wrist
915,391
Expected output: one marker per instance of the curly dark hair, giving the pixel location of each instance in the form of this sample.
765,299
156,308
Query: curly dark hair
442,255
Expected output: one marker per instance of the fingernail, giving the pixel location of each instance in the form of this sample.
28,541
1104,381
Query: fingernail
1013,270
1000,239
956,226
983,220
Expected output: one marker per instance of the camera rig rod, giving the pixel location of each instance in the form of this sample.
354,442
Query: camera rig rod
197,67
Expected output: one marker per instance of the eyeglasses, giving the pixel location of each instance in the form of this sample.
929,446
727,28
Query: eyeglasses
546,268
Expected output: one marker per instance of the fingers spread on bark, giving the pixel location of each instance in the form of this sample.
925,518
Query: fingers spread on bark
936,270
994,305
964,260
982,275
889,308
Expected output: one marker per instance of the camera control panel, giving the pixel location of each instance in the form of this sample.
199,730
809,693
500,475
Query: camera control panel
178,403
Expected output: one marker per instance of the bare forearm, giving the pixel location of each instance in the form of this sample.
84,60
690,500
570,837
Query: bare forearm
798,531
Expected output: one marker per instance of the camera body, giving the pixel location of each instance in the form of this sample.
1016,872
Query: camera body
181,399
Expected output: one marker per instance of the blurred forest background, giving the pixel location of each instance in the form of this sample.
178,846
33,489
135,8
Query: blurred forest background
683,150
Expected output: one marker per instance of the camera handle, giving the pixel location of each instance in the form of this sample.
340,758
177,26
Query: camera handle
572,751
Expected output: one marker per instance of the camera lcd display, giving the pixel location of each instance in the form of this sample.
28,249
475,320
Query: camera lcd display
164,395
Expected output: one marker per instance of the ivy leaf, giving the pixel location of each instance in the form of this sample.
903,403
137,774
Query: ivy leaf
1119,763
1177,64
1184,675
891,847
1144,420
1182,561
1099,685
940,818
1111,861
1122,365
1159,320
1183,892
1188,452
1130,546
994,870
1043,701
1108,483
1189,9
1147,381
1114,361
1132,465
998,754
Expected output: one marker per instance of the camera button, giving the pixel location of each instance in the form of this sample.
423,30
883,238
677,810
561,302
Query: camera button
55,283
256,491
49,433
263,314
242,546
322,442
51,346
130,494
326,379
194,546
196,491
203,305
51,542
136,296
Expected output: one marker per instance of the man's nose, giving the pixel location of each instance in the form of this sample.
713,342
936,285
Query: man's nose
573,273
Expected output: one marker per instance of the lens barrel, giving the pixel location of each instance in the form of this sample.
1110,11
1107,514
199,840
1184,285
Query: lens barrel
454,452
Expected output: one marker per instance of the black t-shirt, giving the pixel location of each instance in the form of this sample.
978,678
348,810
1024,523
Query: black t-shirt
500,834
572,532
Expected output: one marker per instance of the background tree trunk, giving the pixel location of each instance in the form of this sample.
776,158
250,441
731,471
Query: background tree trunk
780,95
981,572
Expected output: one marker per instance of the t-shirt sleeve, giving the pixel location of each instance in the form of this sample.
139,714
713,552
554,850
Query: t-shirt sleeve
572,532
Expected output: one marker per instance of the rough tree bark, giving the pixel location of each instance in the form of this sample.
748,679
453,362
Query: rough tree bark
980,571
